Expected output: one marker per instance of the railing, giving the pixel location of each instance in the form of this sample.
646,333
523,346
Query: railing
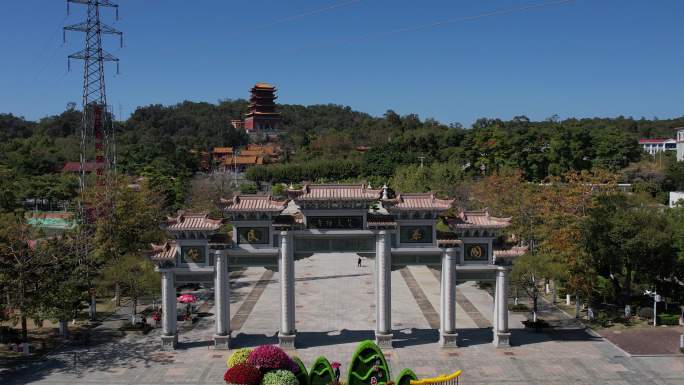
444,379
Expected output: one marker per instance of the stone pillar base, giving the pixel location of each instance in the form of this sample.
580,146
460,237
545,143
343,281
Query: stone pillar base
222,342
286,341
169,342
448,340
502,340
384,341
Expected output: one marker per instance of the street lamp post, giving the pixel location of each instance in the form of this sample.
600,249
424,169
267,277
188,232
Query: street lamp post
655,308
656,299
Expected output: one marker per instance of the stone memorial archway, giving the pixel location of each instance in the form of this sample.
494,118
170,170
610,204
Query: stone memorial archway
397,230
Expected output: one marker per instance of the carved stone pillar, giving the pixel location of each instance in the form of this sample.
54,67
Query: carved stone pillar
448,335
383,263
169,337
222,302
286,335
501,333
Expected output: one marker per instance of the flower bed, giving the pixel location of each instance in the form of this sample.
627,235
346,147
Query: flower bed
239,356
270,365
243,374
279,377
269,357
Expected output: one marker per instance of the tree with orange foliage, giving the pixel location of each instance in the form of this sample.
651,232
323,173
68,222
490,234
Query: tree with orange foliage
548,218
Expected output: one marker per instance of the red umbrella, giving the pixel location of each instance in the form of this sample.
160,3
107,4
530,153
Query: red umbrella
187,298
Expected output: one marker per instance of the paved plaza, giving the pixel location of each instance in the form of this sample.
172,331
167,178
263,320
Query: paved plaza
334,311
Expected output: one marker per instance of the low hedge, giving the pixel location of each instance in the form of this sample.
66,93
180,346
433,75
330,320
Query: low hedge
540,324
646,312
521,307
668,319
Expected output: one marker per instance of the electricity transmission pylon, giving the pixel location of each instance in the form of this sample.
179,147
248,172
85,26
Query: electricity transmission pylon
97,133
97,147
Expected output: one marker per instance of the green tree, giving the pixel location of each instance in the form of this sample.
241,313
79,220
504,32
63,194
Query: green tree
22,270
66,289
135,277
132,224
629,242
529,273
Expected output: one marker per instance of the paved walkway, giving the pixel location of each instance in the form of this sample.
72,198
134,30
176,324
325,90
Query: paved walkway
646,340
335,310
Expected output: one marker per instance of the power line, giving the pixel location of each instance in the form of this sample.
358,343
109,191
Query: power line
310,13
500,12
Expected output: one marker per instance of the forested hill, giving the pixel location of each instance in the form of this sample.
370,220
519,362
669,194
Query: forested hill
155,141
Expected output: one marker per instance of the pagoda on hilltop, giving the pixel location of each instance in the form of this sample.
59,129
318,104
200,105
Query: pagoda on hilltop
262,116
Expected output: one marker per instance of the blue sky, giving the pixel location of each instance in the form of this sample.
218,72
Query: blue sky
583,58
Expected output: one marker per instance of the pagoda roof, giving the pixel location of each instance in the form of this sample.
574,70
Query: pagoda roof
336,192
164,252
477,219
264,85
253,202
192,221
419,202
263,113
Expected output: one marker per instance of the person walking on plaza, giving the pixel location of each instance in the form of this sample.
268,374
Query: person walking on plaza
358,262
156,318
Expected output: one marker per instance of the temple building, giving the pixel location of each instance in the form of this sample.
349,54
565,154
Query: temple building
220,155
392,229
262,116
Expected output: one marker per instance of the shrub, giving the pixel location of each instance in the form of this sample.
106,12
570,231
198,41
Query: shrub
279,377
8,335
248,188
243,374
540,324
602,319
239,357
269,357
521,307
278,190
646,312
668,319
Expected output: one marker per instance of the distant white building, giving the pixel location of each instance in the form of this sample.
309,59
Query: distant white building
654,146
680,143
676,196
